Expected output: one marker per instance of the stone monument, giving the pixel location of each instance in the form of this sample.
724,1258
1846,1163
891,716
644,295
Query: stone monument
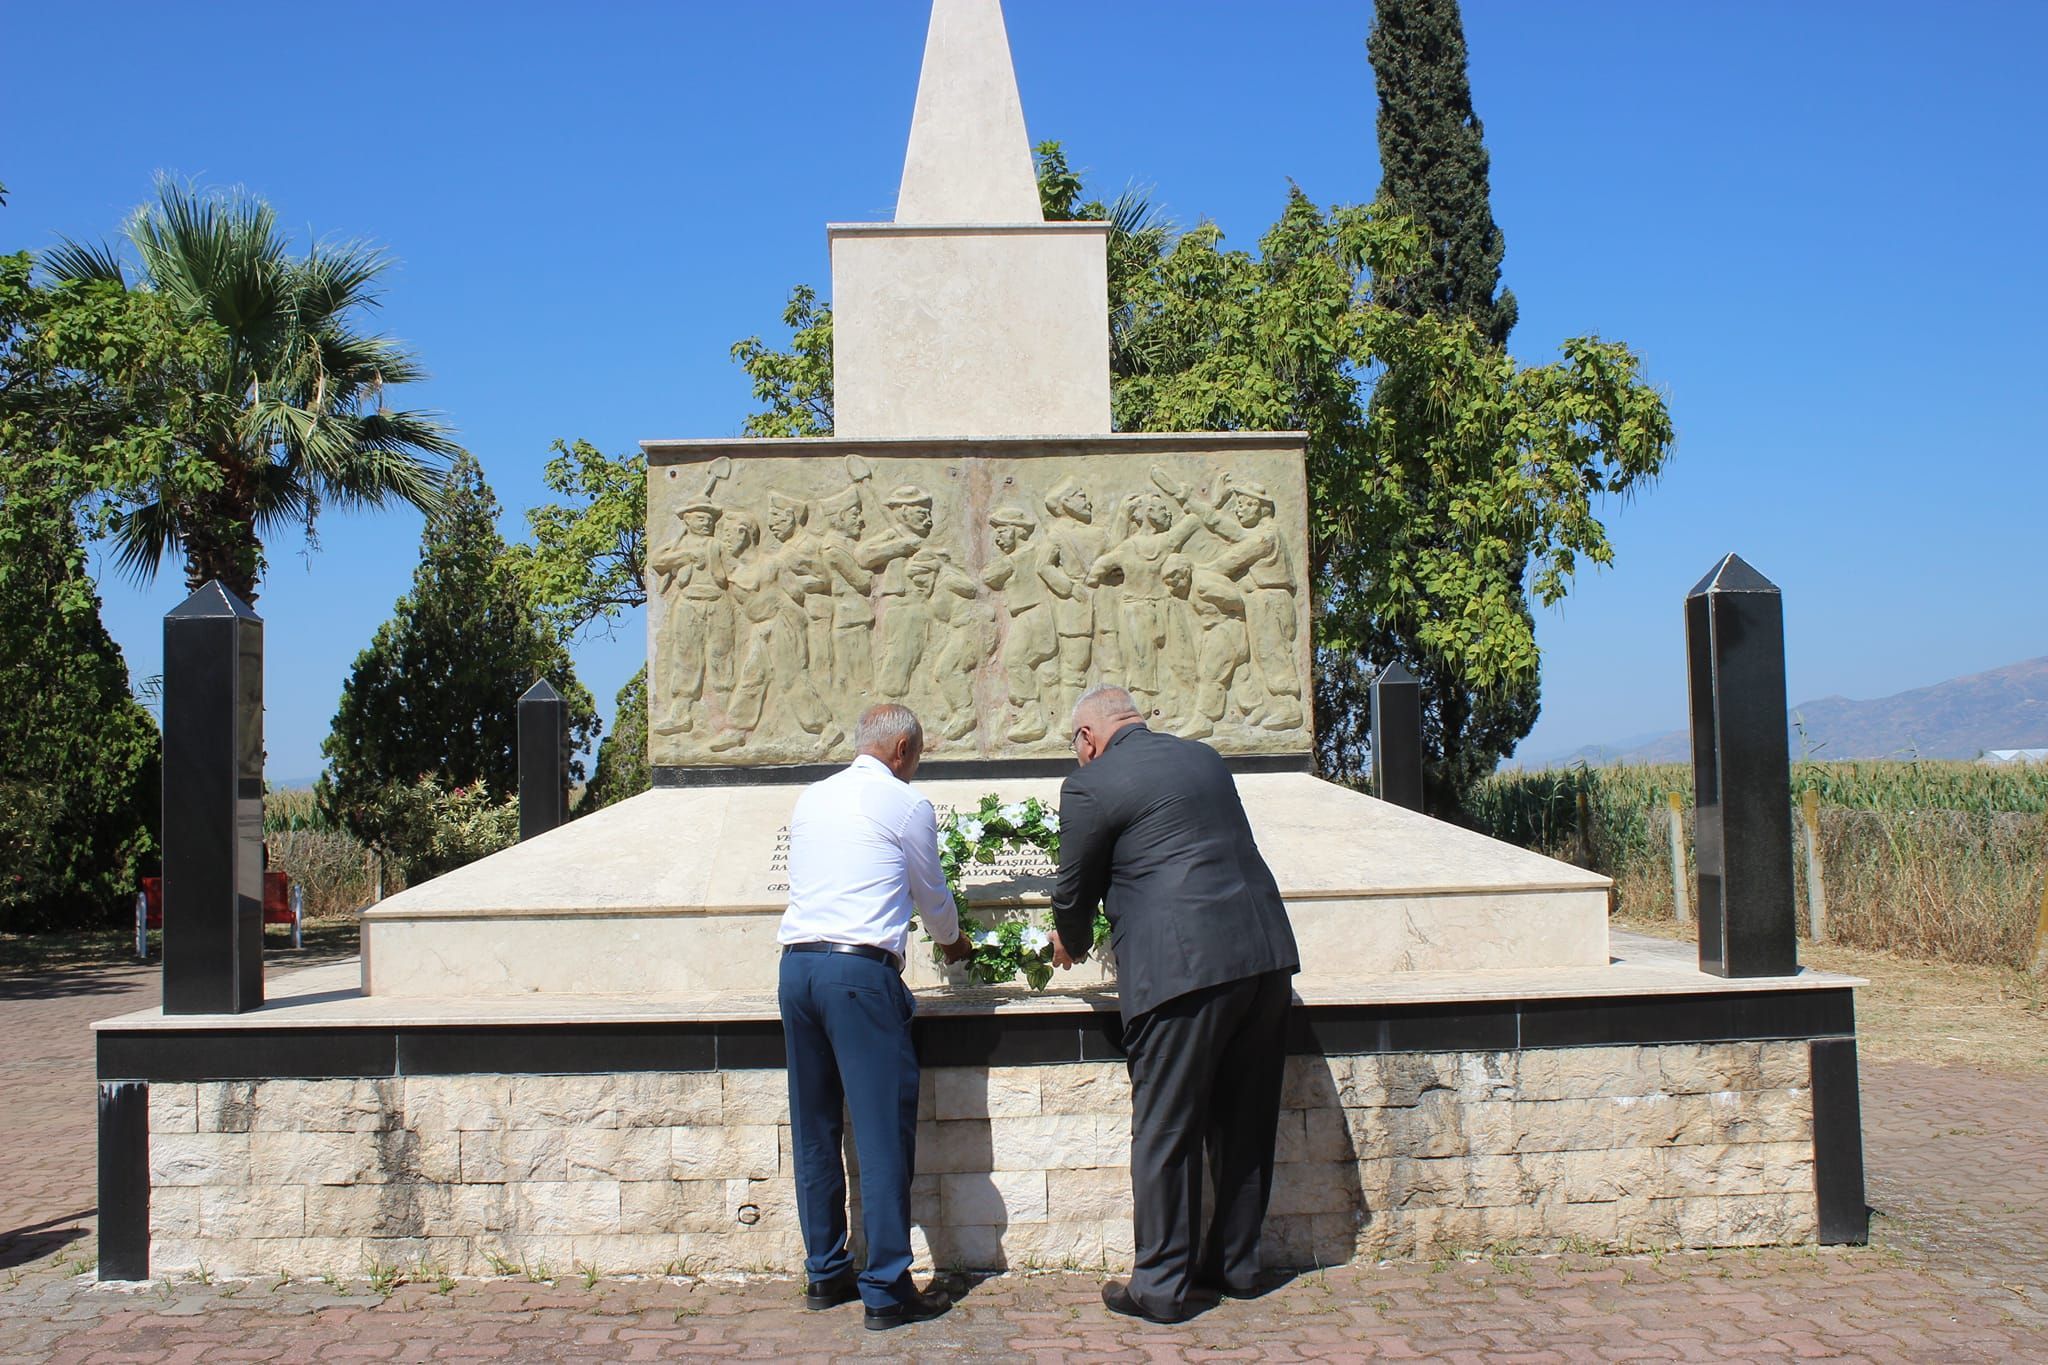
569,1053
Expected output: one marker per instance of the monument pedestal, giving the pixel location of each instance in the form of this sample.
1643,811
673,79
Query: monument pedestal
680,890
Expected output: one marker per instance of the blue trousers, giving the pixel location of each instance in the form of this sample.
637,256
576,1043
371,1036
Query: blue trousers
846,1030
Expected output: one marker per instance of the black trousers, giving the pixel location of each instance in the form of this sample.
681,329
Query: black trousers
1205,1083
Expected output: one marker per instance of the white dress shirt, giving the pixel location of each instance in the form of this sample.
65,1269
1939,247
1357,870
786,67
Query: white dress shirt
863,852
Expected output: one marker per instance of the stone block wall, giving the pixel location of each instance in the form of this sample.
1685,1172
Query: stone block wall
1391,1155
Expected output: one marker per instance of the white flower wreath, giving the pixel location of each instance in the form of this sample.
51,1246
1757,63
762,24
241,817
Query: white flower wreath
1014,947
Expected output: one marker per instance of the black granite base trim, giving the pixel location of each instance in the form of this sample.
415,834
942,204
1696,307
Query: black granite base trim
241,1054
941,769
1843,1216
124,1180
183,1054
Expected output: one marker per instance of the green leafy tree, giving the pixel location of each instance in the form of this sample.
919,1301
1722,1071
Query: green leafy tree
286,415
587,567
622,769
78,792
436,694
794,387
1434,167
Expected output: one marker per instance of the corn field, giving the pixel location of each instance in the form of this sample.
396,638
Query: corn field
1936,860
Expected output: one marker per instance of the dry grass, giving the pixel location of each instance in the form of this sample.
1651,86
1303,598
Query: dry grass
1933,860
1943,1013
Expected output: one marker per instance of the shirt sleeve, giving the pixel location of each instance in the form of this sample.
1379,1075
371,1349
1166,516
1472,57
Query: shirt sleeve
928,889
1083,873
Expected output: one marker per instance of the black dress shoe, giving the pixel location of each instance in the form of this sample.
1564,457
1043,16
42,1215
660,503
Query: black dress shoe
1116,1297
841,1288
917,1308
1223,1289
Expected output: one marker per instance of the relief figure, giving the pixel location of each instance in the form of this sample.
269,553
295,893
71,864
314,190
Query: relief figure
1255,556
1031,584
903,619
1135,563
850,662
1074,544
1222,644
773,631
690,575
801,559
963,629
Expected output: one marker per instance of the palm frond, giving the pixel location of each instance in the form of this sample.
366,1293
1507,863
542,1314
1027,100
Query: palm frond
142,536
77,261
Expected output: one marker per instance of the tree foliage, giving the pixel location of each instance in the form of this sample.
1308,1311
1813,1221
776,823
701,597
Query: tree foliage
285,414
587,564
1434,167
78,792
437,692
622,769
794,387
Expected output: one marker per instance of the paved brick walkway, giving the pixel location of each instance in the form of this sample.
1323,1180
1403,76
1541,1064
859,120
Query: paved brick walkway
1958,1268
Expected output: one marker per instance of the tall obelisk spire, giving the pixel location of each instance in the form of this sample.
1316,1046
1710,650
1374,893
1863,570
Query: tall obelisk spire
969,159
970,316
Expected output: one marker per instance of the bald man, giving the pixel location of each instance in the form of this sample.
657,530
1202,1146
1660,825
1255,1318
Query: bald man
1152,830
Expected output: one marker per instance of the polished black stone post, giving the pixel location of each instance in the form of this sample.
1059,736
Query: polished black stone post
1397,737
543,760
124,1180
213,805
1742,773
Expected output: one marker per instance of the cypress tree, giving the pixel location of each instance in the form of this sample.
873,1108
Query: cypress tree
1433,165
437,692
1434,170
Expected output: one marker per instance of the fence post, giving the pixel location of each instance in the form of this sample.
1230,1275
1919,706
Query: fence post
1679,909
1816,887
1742,774
2040,963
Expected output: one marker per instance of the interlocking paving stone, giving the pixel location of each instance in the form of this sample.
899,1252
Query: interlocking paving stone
1958,1268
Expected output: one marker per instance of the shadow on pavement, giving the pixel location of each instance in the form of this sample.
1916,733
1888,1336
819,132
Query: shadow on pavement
37,1240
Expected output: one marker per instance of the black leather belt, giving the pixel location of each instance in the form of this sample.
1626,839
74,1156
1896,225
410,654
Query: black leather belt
894,962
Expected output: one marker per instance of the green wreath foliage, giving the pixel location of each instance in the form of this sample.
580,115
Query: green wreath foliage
1013,947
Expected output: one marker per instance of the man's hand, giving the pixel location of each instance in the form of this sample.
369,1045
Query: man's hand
958,951
1061,958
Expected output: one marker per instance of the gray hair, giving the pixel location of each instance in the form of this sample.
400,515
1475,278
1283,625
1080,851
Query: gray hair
883,724
1104,703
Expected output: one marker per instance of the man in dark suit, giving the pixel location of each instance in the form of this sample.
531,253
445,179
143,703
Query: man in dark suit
1151,828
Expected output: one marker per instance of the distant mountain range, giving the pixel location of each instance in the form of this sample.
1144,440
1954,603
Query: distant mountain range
2004,708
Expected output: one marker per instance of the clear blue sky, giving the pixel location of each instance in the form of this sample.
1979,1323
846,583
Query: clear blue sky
1819,224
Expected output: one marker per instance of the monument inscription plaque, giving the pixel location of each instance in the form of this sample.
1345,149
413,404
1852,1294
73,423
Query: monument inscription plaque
984,584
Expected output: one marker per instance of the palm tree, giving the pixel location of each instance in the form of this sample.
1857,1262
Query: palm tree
283,413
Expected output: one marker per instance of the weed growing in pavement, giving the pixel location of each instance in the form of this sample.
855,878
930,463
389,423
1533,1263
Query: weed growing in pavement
542,1273
688,1311
444,1283
1382,1306
383,1278
1502,1254
500,1266
589,1274
201,1275
284,1279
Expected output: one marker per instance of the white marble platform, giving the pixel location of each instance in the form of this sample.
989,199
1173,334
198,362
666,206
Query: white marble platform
331,995
678,891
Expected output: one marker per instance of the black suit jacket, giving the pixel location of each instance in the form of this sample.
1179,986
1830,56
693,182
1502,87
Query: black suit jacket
1152,830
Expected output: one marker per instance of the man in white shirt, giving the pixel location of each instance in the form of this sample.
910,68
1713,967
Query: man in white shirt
863,853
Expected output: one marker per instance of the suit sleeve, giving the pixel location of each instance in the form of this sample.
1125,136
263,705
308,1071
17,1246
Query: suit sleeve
1084,869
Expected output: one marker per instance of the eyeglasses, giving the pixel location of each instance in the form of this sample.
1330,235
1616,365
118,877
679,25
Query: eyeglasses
1074,740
